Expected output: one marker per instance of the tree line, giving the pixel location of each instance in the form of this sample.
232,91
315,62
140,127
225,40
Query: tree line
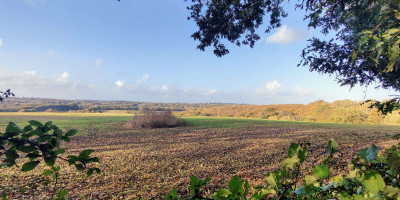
341,111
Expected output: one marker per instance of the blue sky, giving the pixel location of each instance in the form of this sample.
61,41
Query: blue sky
142,51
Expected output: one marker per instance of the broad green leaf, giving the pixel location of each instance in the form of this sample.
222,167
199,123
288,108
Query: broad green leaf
89,172
374,183
222,194
358,197
59,151
304,190
268,191
35,123
321,171
49,123
272,179
85,153
47,173
302,154
71,133
29,166
369,154
28,149
13,128
28,128
291,162
391,191
62,193
332,146
235,185
310,180
293,149
50,161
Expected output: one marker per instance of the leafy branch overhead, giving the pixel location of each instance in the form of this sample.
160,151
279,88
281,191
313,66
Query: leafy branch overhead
6,94
364,49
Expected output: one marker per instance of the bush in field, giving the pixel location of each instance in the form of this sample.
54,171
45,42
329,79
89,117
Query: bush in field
368,176
161,119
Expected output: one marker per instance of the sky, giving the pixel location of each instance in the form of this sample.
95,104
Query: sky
142,51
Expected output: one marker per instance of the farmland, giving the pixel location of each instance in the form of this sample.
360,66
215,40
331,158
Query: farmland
149,163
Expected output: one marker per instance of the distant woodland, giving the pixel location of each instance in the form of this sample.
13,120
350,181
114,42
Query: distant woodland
57,105
341,111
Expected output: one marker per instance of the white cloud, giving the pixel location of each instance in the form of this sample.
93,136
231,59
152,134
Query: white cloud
144,78
92,87
51,52
65,75
98,62
270,88
120,83
29,73
303,90
273,85
164,87
1,42
33,84
285,35
210,92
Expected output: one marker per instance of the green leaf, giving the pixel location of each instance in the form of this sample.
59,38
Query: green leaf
85,153
71,133
29,166
235,185
47,173
293,149
28,149
374,183
304,190
310,180
89,172
49,123
222,194
62,193
28,128
59,151
290,162
369,154
35,123
321,171
358,197
50,161
13,128
332,146
391,191
302,154
272,179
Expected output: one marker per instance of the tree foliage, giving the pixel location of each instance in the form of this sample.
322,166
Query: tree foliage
365,47
6,94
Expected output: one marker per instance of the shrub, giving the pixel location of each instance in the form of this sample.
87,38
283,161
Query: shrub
161,119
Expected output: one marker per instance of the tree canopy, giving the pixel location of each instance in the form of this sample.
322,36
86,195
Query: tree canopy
365,47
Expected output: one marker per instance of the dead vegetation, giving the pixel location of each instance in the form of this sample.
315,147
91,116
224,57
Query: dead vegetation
160,119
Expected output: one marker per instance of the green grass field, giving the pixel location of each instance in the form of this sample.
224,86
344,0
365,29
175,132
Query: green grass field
149,163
